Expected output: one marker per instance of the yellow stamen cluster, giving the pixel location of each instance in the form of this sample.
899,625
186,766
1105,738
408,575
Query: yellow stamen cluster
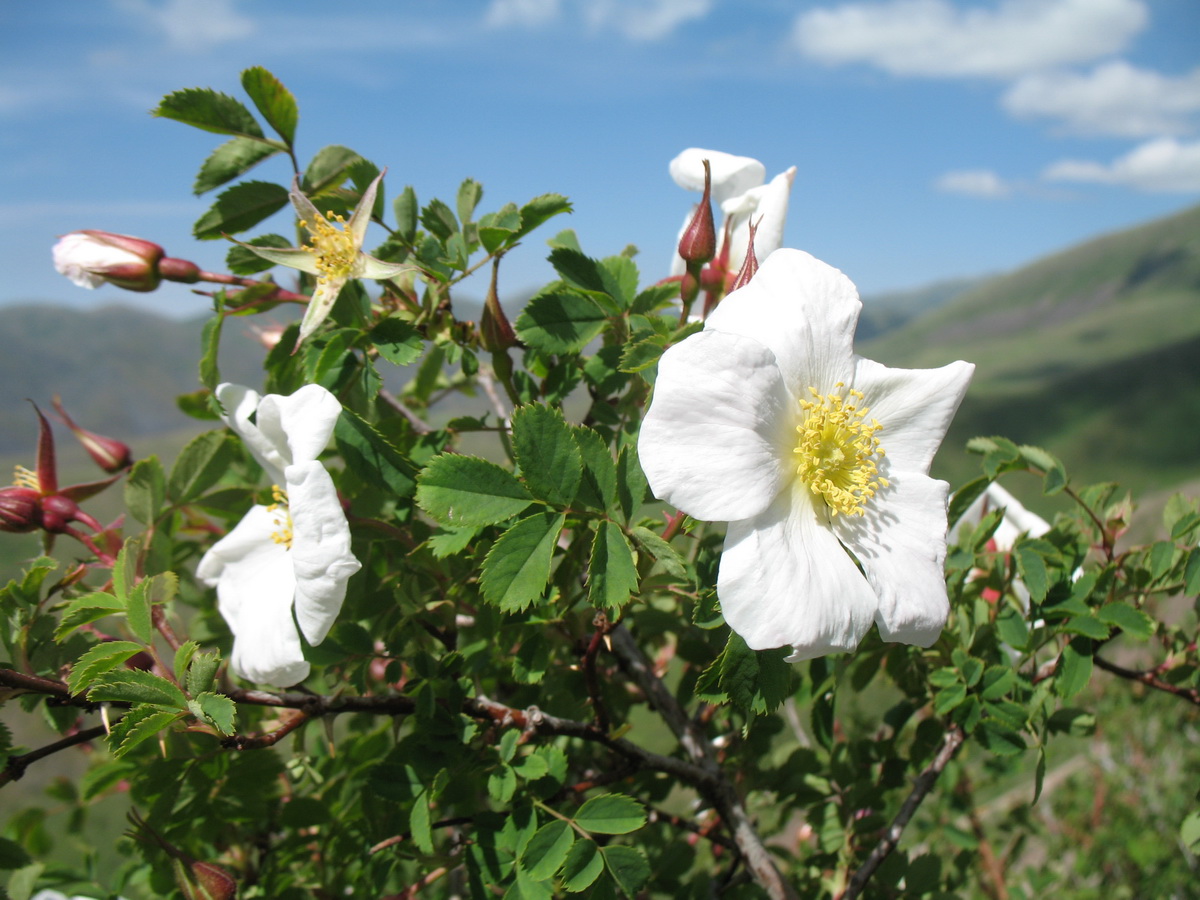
26,478
283,519
838,451
332,244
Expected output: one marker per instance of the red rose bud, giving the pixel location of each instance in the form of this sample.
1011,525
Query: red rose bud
92,258
20,510
179,270
699,242
109,454
58,512
749,264
495,330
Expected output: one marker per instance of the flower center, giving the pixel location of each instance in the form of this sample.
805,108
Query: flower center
283,518
332,243
838,451
26,478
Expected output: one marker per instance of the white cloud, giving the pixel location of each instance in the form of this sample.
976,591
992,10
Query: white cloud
1160,165
974,183
936,38
1114,98
501,13
192,25
645,20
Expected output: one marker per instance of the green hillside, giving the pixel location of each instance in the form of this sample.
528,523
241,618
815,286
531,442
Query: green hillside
1093,352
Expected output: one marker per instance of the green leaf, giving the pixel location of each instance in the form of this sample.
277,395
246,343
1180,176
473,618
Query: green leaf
243,261
578,270
124,574
199,466
137,612
545,449
439,220
654,298
560,323
1074,668
612,575
397,341
1032,567
470,192
611,814
1077,722
136,686
997,682
201,672
274,102
85,609
755,681
628,867
98,660
216,709
641,355
502,784
145,489
1191,573
183,658
599,486
666,555
631,481
541,208
210,111
499,228
419,824
1162,553
328,169
547,850
517,567
139,724
949,698
210,341
1088,626
582,866
405,207
371,456
233,158
28,590
965,496
240,207
466,490
1132,621
1000,739
1189,832
620,277
12,855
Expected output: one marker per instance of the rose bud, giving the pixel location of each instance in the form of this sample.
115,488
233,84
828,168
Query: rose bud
92,258
108,453
20,510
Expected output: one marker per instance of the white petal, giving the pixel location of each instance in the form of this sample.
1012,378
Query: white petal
320,550
784,579
367,266
731,175
361,217
320,306
292,257
717,438
805,311
240,403
914,406
255,584
300,423
305,210
901,543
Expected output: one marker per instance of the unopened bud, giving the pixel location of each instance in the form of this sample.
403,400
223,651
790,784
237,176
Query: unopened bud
179,270
749,264
20,510
699,241
204,881
496,332
91,258
108,453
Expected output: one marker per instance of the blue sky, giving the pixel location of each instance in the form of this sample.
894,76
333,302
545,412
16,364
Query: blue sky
932,138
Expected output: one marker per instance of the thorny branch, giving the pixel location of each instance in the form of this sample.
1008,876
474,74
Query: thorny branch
924,784
1150,679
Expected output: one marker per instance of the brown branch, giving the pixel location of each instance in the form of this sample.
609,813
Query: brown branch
35,684
1150,679
923,785
718,790
589,671
15,768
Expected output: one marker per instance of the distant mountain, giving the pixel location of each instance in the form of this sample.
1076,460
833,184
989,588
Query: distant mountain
888,311
118,369
1093,352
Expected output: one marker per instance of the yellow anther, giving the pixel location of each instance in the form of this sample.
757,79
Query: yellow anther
838,450
26,478
332,243
283,519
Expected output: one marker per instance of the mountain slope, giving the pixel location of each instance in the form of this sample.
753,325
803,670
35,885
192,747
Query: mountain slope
1093,352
